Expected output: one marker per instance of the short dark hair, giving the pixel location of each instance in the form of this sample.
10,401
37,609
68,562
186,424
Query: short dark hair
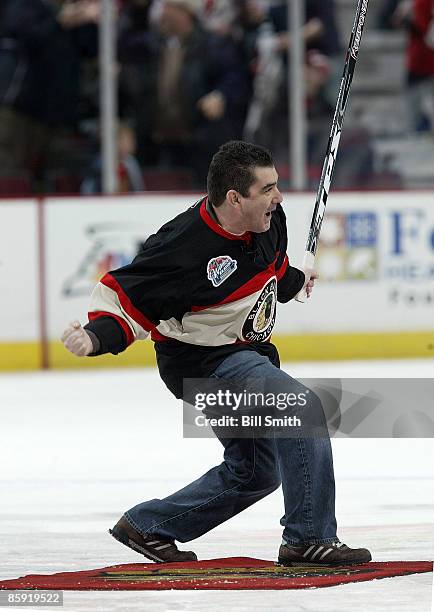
232,168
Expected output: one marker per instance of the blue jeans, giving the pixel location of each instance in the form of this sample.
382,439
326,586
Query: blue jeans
252,468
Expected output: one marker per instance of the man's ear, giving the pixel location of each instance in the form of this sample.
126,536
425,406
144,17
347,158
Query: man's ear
233,197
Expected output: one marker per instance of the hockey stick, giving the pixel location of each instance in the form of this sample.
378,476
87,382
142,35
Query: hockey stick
333,143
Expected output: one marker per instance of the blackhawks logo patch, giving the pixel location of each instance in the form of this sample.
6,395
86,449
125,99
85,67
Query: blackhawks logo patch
260,320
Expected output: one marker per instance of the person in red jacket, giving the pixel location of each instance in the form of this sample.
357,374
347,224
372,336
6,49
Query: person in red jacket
420,65
418,17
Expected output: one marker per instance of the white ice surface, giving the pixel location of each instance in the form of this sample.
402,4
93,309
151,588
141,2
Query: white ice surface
79,448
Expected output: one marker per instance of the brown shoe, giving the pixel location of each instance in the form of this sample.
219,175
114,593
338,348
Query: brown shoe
151,546
333,553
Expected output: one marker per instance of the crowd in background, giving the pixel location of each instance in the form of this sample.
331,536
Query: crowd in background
417,18
192,74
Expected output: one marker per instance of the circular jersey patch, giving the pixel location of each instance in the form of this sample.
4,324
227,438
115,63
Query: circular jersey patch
260,320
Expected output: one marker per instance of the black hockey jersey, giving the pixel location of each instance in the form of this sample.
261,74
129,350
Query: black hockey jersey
199,291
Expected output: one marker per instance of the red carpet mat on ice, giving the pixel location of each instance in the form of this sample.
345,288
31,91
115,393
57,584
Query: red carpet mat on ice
220,574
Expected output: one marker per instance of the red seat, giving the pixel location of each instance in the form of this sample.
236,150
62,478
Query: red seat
15,186
156,179
63,183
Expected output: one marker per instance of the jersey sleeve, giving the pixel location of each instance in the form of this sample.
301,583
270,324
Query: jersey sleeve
128,303
289,281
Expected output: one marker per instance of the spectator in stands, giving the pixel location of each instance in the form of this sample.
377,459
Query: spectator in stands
356,154
137,44
188,86
320,30
222,17
41,46
417,17
253,14
268,76
420,65
388,16
320,33
267,120
129,177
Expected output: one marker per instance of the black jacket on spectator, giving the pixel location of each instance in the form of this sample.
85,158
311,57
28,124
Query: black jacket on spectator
40,61
212,62
328,43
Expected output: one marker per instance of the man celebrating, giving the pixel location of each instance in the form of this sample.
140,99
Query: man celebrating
205,286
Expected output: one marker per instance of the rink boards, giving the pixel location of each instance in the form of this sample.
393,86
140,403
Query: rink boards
376,264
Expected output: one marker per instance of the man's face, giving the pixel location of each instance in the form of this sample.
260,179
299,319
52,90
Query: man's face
262,200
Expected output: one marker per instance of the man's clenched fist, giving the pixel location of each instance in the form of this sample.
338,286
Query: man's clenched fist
76,340
310,277
309,281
